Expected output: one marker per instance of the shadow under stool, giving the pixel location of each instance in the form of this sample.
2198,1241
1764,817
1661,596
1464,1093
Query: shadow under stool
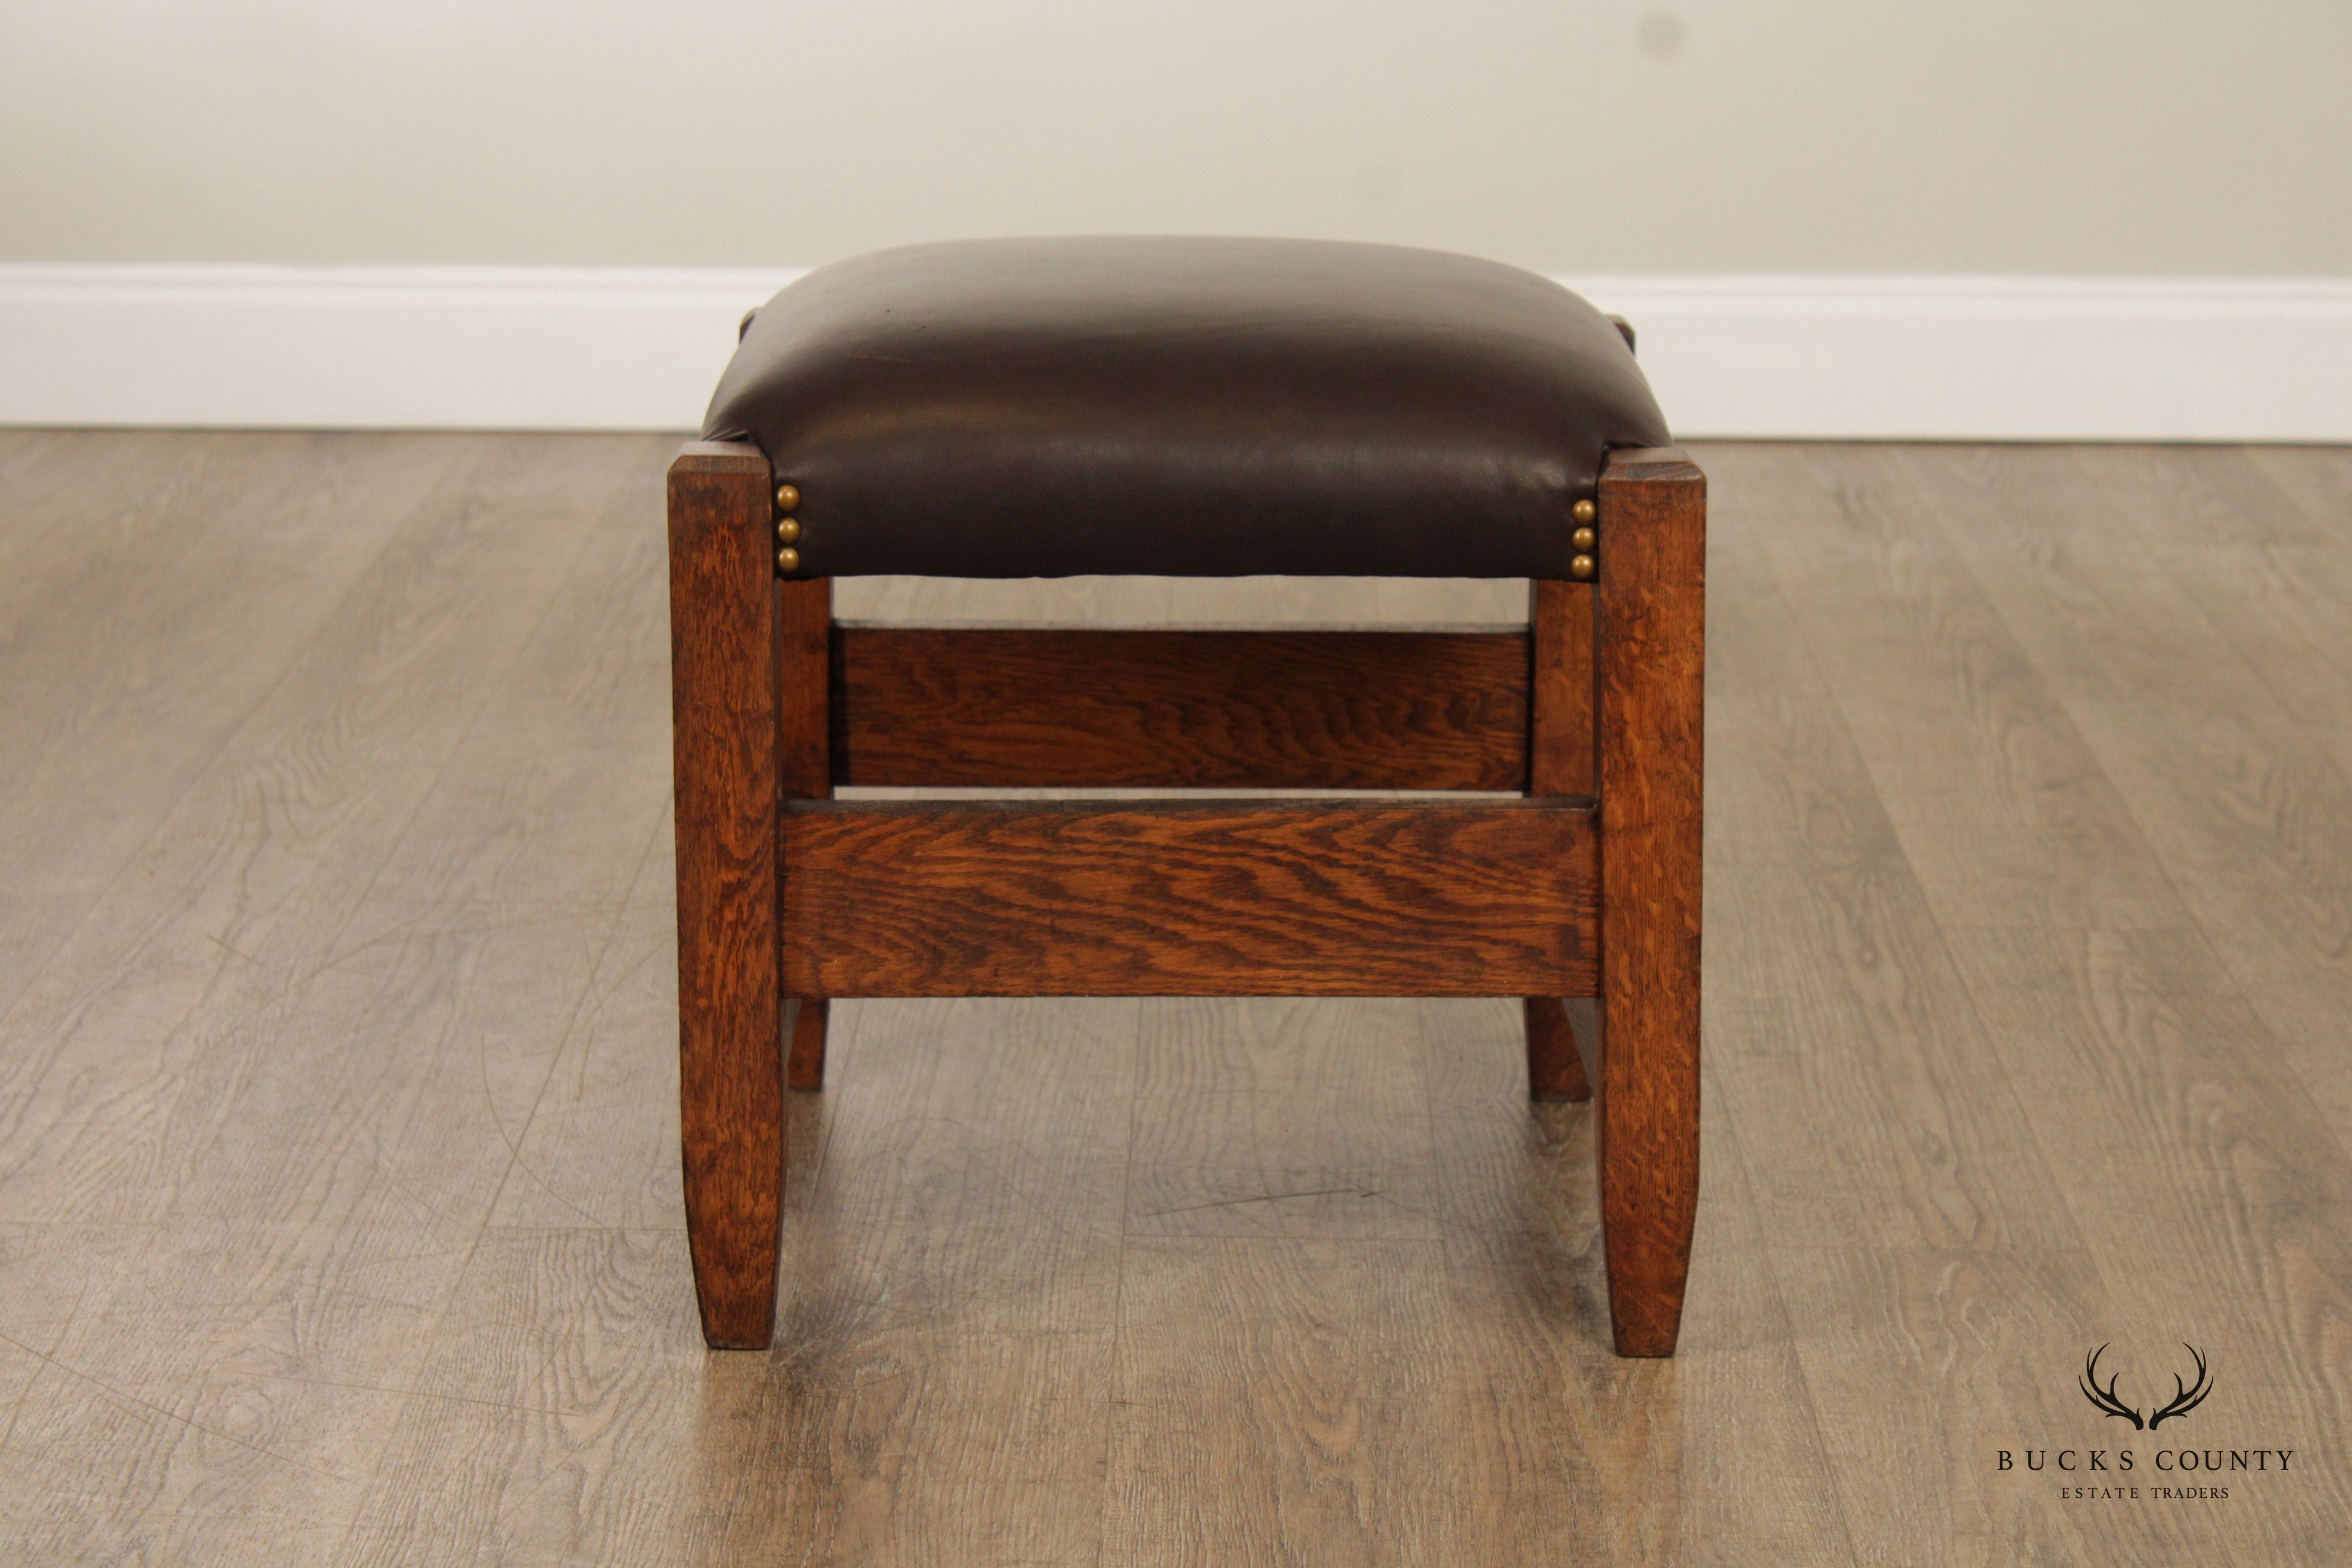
1187,407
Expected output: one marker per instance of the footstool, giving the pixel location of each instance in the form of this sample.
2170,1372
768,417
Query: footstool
1191,407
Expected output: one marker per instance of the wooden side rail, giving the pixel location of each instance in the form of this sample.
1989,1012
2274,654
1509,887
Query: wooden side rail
1190,899
1171,709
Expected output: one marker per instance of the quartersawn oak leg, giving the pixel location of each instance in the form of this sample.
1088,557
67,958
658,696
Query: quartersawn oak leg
1559,762
804,753
723,664
1651,604
1555,1072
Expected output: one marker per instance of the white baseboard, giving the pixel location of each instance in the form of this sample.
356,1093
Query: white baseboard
368,347
628,348
1995,358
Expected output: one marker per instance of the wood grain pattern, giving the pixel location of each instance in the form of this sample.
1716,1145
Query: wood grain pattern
954,1276
438,870
583,1450
2234,639
804,768
1556,1071
1210,899
314,833
2151,1062
1976,1333
1652,650
1559,762
724,659
935,708
803,688
1831,962
1281,1117
805,1060
340,1175
1256,1358
2004,814
216,537
1518,1200
1560,710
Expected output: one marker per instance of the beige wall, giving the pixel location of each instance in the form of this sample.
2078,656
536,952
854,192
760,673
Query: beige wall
1696,135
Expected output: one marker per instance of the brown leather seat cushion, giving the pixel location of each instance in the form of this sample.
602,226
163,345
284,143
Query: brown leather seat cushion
1184,407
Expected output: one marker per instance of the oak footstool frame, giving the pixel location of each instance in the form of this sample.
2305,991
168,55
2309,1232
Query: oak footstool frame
1588,886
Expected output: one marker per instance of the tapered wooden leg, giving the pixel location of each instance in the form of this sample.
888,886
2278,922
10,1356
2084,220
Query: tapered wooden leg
804,1067
723,665
1559,762
1650,612
1555,1072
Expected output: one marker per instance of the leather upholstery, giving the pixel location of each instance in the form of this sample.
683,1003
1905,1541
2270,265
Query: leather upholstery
1183,407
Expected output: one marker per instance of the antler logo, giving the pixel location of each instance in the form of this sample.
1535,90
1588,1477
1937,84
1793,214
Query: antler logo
2185,1398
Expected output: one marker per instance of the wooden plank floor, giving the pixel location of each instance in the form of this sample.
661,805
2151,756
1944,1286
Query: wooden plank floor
339,1205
